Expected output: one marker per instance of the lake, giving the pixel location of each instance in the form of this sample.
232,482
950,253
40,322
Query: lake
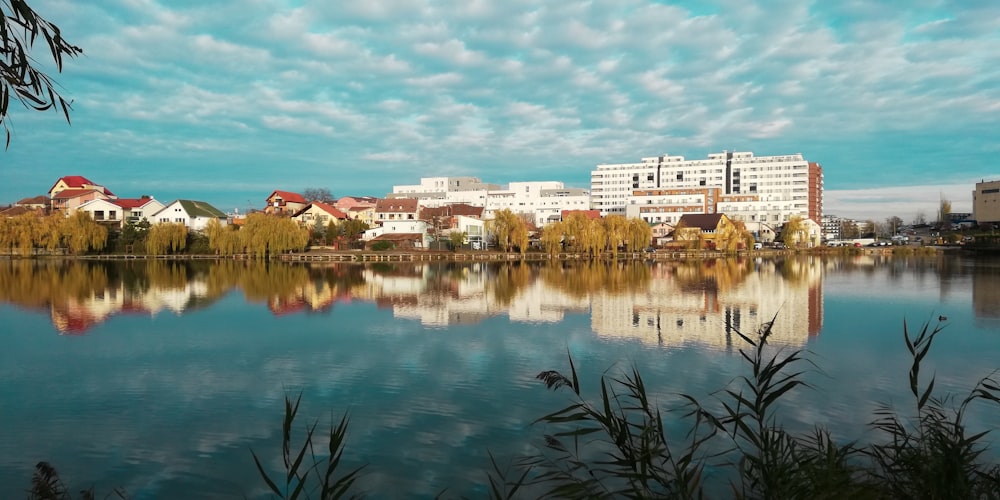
159,377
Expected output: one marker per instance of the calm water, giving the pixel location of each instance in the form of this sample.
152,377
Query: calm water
160,377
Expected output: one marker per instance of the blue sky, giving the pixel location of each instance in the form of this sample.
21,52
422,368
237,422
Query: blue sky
226,101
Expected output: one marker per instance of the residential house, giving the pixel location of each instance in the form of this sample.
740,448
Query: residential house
444,219
347,203
318,211
68,200
661,232
363,214
692,227
77,182
16,210
284,203
474,229
121,210
193,214
37,202
762,232
399,209
403,234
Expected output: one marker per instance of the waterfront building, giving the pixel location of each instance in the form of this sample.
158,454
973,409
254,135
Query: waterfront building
831,227
540,201
745,187
116,212
284,203
192,213
986,202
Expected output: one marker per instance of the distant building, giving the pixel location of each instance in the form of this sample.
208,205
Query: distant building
745,187
986,202
284,203
194,214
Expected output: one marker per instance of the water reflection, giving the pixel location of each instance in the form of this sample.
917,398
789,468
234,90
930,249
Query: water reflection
660,303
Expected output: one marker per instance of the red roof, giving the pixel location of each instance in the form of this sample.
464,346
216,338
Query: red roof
79,181
37,200
288,196
590,214
131,202
396,205
330,210
66,194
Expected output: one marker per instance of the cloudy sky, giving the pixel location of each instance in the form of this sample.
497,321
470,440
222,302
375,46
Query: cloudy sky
226,101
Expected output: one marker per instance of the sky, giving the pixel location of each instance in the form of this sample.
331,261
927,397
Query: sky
226,101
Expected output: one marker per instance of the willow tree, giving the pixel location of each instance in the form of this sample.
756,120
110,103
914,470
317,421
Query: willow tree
552,238
223,239
733,236
167,237
794,231
20,76
615,230
17,233
508,229
262,234
638,234
594,237
81,233
574,227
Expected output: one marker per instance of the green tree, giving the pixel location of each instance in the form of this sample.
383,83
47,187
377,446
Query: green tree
20,77
352,229
457,239
319,232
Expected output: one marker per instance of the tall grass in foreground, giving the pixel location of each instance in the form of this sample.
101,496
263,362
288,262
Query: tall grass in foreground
615,446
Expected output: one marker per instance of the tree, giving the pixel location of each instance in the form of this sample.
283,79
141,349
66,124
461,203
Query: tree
944,215
794,232
457,239
615,229
552,238
352,229
263,234
167,237
319,232
920,219
20,26
508,230
225,240
893,224
322,195
638,234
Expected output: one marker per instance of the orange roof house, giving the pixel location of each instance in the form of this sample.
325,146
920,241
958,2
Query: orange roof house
284,203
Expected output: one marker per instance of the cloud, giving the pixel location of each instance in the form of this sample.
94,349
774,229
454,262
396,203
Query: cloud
875,93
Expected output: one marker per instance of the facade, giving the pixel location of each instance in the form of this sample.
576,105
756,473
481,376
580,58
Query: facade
116,212
193,214
284,203
396,209
402,233
363,214
347,203
832,227
540,201
986,202
750,188
438,191
318,212
68,200
543,202
77,182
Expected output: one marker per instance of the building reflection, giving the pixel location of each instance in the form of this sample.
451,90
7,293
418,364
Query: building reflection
662,303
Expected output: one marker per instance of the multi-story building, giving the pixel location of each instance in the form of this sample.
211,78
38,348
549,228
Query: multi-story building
540,201
438,191
743,186
986,202
543,201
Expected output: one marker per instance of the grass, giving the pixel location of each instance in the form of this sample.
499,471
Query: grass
613,444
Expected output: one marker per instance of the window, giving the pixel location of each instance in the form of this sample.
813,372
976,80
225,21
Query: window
98,214
179,220
112,215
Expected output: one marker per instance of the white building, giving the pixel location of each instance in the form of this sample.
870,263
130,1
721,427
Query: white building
743,186
542,201
193,214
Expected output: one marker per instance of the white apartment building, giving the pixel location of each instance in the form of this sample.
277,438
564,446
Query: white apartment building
541,201
745,187
440,191
544,201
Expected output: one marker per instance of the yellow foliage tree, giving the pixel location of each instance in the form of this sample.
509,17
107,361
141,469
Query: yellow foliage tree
167,237
223,239
552,237
508,229
615,230
81,233
264,234
638,234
